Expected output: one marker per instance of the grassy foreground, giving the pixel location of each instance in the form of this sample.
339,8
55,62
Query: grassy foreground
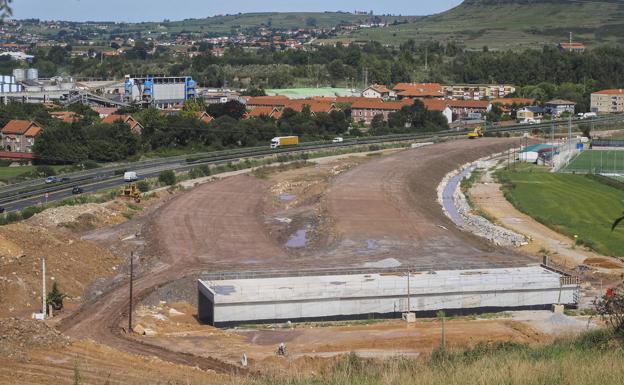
594,358
570,204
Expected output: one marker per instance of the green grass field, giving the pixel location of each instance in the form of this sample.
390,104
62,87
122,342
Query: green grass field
570,204
597,161
514,25
10,174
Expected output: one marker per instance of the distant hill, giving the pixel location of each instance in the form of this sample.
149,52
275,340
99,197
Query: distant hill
292,20
516,24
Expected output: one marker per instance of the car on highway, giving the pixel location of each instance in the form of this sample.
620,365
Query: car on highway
2,210
337,140
77,190
52,179
130,176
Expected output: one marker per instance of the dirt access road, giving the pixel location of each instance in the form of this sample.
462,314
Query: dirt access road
220,225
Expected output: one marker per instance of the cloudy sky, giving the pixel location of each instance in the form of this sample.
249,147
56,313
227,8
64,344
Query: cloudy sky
156,10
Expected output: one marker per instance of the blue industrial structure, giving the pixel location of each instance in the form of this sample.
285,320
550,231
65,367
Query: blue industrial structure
159,91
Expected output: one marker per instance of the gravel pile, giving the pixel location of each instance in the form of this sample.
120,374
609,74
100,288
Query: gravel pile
18,335
60,216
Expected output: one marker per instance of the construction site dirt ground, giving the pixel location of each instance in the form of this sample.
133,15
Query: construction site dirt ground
175,326
368,210
383,212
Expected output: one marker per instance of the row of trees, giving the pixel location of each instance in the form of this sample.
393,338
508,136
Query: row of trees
431,61
87,139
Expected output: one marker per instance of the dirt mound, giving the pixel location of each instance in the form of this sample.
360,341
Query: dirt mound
72,262
81,217
18,335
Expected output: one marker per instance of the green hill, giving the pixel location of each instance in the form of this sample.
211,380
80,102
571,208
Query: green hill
240,22
513,24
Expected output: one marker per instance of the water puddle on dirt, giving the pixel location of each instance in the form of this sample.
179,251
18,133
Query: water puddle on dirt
384,263
298,240
287,197
372,244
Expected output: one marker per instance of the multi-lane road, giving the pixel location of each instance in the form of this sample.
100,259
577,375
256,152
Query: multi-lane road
18,196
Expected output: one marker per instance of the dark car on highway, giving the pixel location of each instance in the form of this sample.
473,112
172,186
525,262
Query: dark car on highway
77,190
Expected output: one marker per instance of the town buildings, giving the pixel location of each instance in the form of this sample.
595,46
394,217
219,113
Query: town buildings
19,135
607,101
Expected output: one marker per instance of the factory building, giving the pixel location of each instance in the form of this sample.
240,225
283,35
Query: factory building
225,302
159,91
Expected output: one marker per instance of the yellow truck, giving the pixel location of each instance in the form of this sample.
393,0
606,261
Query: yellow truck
477,133
282,141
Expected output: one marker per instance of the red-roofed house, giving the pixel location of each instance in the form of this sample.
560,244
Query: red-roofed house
316,106
271,112
419,90
607,101
19,135
104,111
65,116
572,47
365,111
204,116
377,91
463,109
266,101
440,105
135,126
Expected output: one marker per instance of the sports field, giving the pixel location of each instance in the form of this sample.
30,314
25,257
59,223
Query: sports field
302,93
570,204
597,162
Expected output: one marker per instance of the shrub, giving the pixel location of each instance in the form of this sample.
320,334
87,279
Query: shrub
374,147
89,165
167,177
30,211
45,170
143,185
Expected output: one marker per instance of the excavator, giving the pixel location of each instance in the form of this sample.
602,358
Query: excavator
477,133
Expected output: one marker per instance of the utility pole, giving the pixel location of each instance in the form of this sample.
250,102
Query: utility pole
44,308
131,279
426,58
409,307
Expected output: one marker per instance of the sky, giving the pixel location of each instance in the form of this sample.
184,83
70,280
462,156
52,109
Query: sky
157,10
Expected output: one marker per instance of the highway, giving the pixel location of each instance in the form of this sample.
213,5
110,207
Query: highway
18,196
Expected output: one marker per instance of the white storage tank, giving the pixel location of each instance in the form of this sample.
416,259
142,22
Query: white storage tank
32,74
19,74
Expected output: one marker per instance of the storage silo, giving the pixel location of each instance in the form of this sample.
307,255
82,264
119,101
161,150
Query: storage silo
32,74
19,74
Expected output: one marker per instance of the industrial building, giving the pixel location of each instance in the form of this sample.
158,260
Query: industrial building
159,91
224,302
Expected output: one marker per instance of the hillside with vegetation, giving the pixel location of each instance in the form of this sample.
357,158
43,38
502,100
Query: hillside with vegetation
517,24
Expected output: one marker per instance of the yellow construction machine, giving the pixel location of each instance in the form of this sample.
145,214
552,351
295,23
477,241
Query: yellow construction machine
477,133
131,190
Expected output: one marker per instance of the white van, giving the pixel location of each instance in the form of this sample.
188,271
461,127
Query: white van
130,176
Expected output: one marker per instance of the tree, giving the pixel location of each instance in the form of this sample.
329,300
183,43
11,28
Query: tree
233,109
191,108
56,297
167,177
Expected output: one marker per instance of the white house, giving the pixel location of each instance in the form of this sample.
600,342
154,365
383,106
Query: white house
377,91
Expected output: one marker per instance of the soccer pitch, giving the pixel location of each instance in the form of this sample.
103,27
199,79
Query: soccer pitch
597,162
